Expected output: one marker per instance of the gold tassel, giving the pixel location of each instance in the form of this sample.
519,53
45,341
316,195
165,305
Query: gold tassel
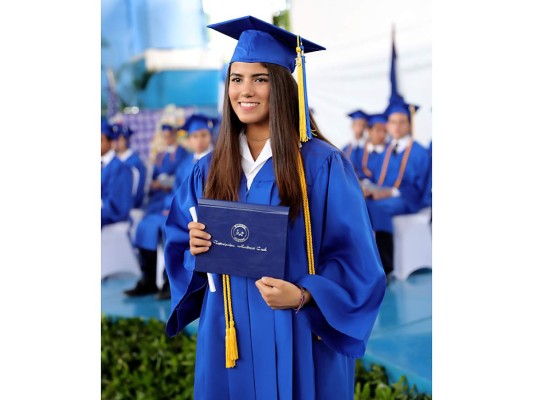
307,217
412,111
301,93
232,353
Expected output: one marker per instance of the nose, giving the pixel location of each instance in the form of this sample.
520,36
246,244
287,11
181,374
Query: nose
247,90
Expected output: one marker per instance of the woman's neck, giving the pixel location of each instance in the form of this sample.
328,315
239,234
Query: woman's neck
257,136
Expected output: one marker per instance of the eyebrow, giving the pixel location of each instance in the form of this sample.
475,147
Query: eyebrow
253,75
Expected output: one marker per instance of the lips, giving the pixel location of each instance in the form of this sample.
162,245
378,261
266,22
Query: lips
248,105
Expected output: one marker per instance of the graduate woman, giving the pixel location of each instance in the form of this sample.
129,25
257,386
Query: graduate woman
295,338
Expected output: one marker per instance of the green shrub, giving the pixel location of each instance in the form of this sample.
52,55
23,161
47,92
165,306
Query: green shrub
373,384
139,362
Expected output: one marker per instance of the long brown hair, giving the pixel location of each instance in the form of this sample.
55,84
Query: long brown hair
225,172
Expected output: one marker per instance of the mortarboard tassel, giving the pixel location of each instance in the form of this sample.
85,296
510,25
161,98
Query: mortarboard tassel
232,353
305,124
307,218
412,110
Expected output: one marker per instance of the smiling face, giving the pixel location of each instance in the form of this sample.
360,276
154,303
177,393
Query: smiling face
249,92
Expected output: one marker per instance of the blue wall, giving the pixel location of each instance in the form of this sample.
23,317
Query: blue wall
182,88
129,27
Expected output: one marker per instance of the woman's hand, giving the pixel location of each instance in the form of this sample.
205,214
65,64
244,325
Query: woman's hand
199,239
280,294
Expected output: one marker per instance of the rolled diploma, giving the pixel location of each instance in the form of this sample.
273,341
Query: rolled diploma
210,279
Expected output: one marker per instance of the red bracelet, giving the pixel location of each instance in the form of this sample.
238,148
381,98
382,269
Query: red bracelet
302,299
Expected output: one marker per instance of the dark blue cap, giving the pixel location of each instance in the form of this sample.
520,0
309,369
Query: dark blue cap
197,122
107,129
358,114
376,119
260,41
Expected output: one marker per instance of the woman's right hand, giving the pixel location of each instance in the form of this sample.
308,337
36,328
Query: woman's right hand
198,238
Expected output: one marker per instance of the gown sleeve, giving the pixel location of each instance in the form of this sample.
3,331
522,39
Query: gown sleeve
186,286
349,283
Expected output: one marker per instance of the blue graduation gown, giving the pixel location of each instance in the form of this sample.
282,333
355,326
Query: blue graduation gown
412,188
168,165
357,161
150,230
134,161
116,185
280,356
374,163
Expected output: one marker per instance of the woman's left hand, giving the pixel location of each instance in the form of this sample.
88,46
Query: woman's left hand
280,294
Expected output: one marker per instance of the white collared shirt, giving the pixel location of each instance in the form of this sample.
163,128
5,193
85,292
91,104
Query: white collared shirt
402,143
171,149
250,166
124,156
378,148
107,158
359,143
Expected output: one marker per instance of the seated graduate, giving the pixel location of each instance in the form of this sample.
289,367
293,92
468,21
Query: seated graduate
374,150
354,150
164,169
293,338
132,160
150,231
116,181
402,180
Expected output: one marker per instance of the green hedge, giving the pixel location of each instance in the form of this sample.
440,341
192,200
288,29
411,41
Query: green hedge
140,362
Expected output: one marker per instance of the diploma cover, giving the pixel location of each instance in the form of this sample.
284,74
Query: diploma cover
247,239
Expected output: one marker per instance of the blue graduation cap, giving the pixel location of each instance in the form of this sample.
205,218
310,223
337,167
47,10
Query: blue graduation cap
376,119
107,129
260,41
401,107
358,114
198,122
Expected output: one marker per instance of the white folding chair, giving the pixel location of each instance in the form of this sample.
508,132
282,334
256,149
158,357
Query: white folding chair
118,255
412,243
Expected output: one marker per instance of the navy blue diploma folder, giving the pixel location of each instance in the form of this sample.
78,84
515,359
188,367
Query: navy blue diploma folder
247,239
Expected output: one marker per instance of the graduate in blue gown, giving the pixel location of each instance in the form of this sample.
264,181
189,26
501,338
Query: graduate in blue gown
372,157
164,169
150,231
296,338
354,150
132,160
116,181
402,179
